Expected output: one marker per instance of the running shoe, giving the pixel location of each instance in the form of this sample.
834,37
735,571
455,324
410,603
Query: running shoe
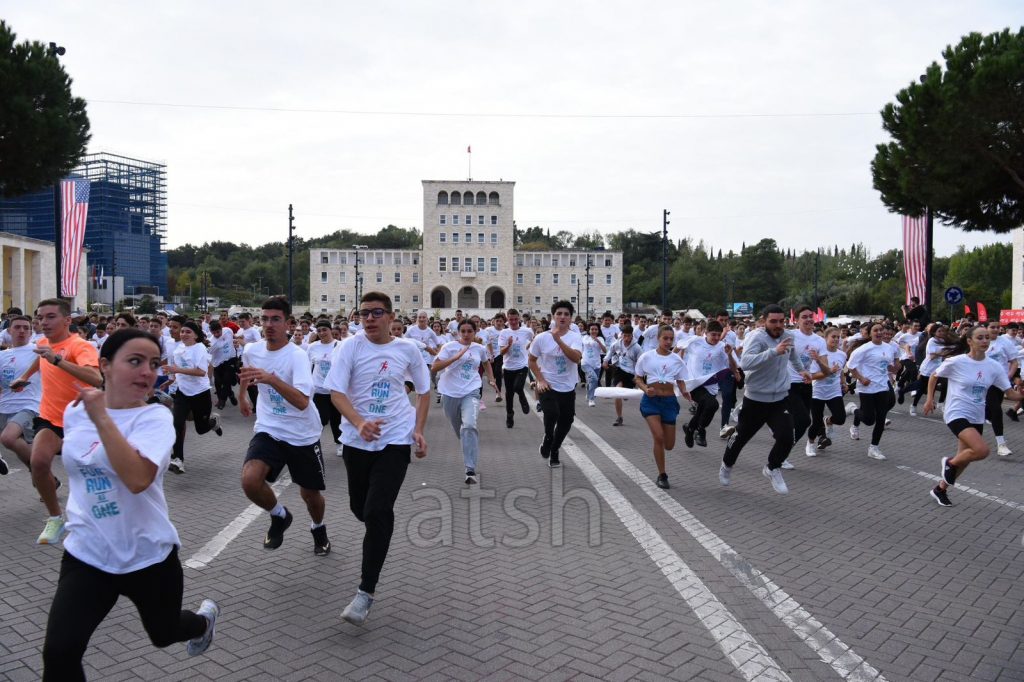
215,424
470,477
208,610
810,450
544,452
662,481
830,430
617,422
52,531
1012,414
553,461
1004,450
510,421
855,432
824,442
3,467
726,431
321,544
591,403
775,476
874,452
688,435
539,408
700,437
949,471
339,451
232,398
940,496
900,397
913,410
786,464
888,422
851,408
358,609
219,405
176,466
278,525
526,406
497,398
724,474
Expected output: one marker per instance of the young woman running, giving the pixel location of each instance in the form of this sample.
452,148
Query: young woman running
827,391
116,450
871,362
970,375
938,339
593,350
656,372
320,354
458,366
190,367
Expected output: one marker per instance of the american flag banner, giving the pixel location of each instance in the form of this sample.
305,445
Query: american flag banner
915,255
74,196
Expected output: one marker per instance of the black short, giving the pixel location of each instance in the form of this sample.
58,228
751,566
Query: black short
40,424
305,462
625,378
958,425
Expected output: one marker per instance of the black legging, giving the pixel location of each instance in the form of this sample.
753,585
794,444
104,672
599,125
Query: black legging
85,596
799,402
200,405
328,413
922,388
835,405
994,409
872,411
753,416
559,409
515,384
225,376
707,406
496,365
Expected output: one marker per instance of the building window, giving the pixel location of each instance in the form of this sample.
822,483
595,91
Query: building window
554,278
519,300
380,259
442,198
415,259
536,278
415,278
455,237
468,264
590,278
380,278
607,299
323,259
456,199
590,299
442,264
398,298
455,219
554,299
469,220
519,279
415,298
572,261
494,237
607,279
398,278
536,260
494,265
442,237
607,261
494,220
342,277
442,219
469,237
479,264
519,260
572,278
479,237
323,277
479,220
342,297
573,301
455,263
536,299
554,261
323,298
492,199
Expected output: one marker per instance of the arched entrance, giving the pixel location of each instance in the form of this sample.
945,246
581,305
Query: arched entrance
469,298
494,297
441,297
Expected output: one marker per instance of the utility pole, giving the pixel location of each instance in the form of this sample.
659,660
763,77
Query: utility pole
291,248
588,287
817,265
664,260
359,280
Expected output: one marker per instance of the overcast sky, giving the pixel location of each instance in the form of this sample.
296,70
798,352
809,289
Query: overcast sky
745,119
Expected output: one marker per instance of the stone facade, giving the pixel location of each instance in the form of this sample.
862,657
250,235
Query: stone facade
468,261
28,273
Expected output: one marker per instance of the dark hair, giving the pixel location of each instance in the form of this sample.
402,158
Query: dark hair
323,324
714,326
513,311
959,346
14,311
18,318
215,325
196,329
127,317
722,312
277,303
558,305
662,328
803,308
867,339
122,336
468,321
626,329
244,316
772,309
592,325
377,296
65,307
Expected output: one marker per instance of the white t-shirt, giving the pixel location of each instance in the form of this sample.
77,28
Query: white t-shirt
453,327
872,361
591,352
1002,350
515,358
930,364
463,376
682,337
572,325
490,337
910,340
610,333
661,369
13,363
427,337
275,416
830,387
624,357
247,336
969,381
5,338
111,528
702,359
804,344
221,349
321,357
560,374
373,377
192,357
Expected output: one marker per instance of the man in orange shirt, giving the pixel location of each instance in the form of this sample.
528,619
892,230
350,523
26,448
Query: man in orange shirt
66,363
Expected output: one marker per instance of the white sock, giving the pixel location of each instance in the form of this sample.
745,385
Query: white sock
279,510
314,526
1000,440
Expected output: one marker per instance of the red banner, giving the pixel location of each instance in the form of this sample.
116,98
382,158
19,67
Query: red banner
1008,316
982,313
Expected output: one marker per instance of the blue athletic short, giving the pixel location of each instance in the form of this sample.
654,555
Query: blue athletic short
666,407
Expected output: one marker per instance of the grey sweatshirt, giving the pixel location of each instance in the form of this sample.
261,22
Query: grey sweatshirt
767,377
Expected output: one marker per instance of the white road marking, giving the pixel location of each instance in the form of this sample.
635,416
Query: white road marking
739,646
828,647
972,491
222,539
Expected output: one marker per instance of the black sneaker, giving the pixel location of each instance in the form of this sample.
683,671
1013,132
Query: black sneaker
321,545
232,398
899,397
1012,414
949,471
701,438
3,467
278,525
544,452
553,462
693,409
941,497
824,442
688,435
510,421
470,477
526,406
662,481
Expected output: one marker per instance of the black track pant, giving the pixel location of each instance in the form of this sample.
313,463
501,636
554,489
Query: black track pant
496,365
872,411
559,412
707,406
85,595
835,405
225,376
922,389
515,384
200,405
328,413
753,416
799,402
994,409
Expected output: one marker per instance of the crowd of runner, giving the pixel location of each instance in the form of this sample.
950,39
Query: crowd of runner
114,396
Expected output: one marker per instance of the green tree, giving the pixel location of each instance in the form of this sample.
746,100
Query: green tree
958,142
43,127
760,278
983,274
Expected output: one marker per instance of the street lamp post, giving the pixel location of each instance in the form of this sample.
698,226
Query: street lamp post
587,307
359,280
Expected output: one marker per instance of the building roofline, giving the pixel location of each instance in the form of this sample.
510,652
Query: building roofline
474,182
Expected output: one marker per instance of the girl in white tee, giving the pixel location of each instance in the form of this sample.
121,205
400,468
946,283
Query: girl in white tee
190,366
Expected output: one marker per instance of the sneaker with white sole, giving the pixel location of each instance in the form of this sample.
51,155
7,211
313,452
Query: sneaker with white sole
1004,450
949,471
726,431
358,609
591,403
3,466
52,531
215,424
176,466
851,408
855,432
208,610
940,496
724,474
888,422
874,452
810,450
775,476
786,464
913,411
339,451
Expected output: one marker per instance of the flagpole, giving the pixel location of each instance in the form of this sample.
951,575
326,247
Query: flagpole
928,266
57,241
469,155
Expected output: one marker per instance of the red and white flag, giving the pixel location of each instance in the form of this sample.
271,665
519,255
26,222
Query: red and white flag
982,312
915,255
74,195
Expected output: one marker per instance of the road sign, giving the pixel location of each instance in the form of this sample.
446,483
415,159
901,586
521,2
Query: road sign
954,295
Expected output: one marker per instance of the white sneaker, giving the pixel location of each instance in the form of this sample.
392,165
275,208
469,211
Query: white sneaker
358,608
810,449
874,452
1004,450
788,465
851,408
888,422
53,531
339,450
913,411
726,431
940,408
724,474
855,432
830,431
775,476
209,610
176,466
591,403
